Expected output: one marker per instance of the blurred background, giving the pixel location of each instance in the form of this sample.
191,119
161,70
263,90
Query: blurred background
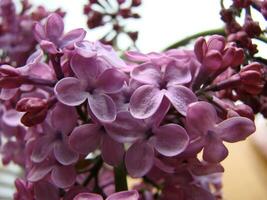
161,24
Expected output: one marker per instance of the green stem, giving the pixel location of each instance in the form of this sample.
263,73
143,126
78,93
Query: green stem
219,31
262,38
120,178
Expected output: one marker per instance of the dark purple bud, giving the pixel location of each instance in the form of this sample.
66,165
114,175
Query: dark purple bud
125,12
242,3
33,118
264,9
133,35
95,20
31,104
136,3
121,1
87,9
227,15
252,28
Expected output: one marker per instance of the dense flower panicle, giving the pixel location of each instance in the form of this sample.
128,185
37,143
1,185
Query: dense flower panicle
16,37
79,119
115,15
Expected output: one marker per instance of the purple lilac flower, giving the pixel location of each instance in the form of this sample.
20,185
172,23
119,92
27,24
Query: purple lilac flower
52,169
95,79
87,138
51,37
55,137
158,81
11,79
147,136
204,125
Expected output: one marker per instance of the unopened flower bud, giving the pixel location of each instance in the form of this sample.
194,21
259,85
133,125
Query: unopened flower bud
252,28
242,3
242,110
136,3
252,78
31,104
227,15
33,118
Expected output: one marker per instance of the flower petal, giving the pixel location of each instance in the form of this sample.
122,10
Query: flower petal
125,128
39,171
103,107
86,69
111,81
88,196
63,118
64,154
63,176
124,195
42,148
180,97
139,159
112,151
235,129
200,117
145,101
200,48
147,73
39,32
212,61
44,190
171,139
216,42
214,150
177,73
7,94
35,57
85,138
159,115
136,56
71,37
49,47
70,91
54,27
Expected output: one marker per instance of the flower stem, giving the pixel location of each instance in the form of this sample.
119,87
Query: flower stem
186,40
120,178
55,59
94,170
38,81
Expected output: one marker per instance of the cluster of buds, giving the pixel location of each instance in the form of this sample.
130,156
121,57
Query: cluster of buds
17,42
254,91
242,34
114,14
80,120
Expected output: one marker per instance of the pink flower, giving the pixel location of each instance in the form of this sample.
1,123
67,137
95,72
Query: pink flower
62,176
51,36
207,132
87,138
96,79
168,140
55,137
159,81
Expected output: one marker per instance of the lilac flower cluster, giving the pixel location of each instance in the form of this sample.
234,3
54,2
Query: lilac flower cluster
114,14
17,42
79,119
245,34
